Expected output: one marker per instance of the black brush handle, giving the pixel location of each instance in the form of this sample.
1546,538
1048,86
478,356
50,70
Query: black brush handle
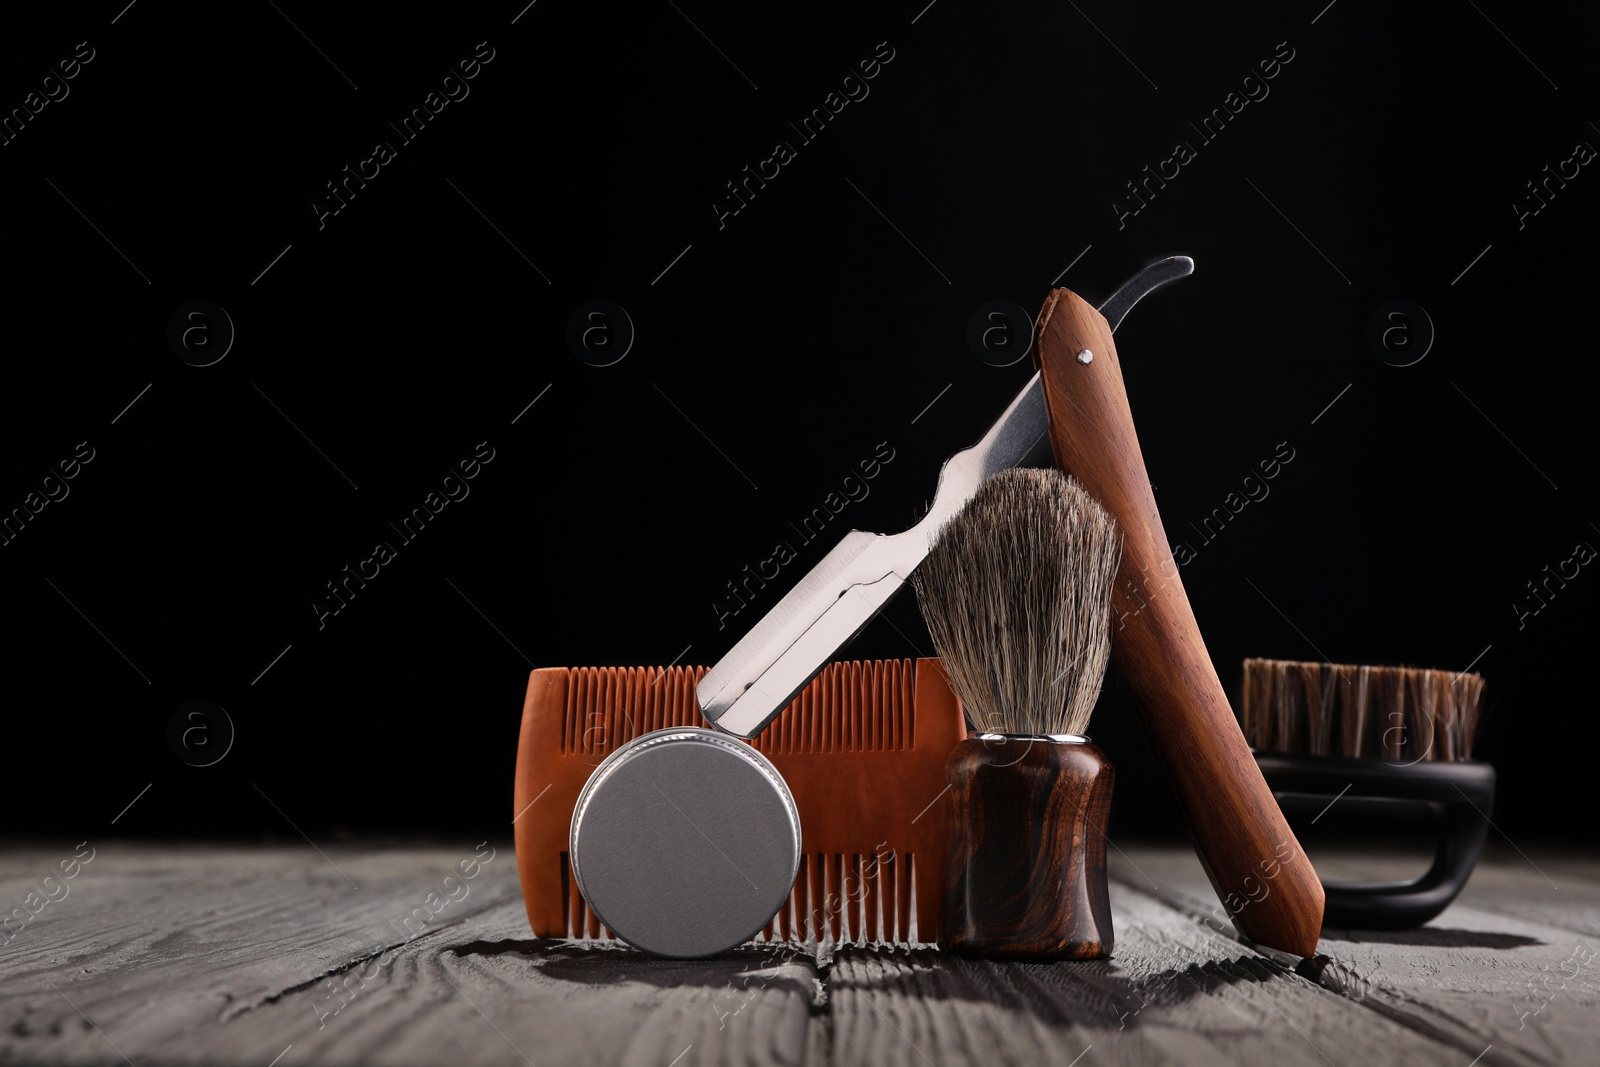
1460,794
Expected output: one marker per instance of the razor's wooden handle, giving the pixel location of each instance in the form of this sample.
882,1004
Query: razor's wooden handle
1256,865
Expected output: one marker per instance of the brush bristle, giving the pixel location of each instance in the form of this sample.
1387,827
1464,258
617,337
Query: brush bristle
1401,714
1016,591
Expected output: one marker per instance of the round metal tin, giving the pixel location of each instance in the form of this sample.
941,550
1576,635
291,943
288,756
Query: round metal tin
685,842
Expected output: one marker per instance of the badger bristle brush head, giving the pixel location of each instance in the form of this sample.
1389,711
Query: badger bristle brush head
1016,592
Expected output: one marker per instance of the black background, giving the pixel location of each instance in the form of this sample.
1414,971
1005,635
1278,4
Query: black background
792,340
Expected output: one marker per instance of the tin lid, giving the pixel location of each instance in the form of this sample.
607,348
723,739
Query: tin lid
685,842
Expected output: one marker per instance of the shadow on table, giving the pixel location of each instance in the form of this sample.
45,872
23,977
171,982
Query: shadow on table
615,964
1432,937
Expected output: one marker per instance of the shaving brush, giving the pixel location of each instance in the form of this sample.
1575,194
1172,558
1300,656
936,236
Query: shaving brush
1016,592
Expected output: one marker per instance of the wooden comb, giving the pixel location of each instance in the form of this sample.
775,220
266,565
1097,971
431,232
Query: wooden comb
862,748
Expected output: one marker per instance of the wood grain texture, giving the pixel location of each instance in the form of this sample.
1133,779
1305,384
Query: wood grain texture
237,956
160,945
1253,859
232,956
1509,970
488,994
1026,876
1174,993
1563,891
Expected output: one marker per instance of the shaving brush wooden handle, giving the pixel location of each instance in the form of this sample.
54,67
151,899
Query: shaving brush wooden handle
1026,876
1255,864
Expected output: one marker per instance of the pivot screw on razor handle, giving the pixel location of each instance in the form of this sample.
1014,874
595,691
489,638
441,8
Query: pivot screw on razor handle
1458,794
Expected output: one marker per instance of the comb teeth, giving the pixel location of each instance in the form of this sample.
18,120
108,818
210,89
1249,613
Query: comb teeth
851,707
837,898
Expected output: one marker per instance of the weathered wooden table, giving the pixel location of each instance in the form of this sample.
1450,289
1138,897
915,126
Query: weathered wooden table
229,955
